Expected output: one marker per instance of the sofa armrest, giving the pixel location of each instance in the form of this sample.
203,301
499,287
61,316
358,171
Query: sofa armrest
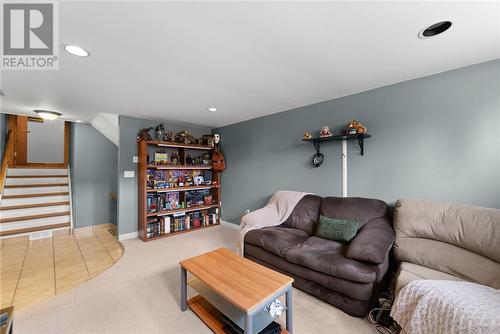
372,243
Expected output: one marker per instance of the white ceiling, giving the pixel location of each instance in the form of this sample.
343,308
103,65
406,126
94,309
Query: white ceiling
172,60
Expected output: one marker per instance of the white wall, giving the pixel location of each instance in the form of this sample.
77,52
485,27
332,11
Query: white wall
46,141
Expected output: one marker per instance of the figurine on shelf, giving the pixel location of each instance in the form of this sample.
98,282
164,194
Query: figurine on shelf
182,137
160,132
325,132
307,135
198,180
205,158
175,159
355,127
207,140
143,134
169,136
207,200
189,160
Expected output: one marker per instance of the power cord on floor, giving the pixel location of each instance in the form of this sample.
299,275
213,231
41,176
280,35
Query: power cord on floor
380,317
381,328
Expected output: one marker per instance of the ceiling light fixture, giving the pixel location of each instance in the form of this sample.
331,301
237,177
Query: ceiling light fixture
47,114
435,29
212,109
76,51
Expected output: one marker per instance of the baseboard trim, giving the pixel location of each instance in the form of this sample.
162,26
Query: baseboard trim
230,225
127,236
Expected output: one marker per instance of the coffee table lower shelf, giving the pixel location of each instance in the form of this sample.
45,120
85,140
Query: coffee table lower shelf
209,314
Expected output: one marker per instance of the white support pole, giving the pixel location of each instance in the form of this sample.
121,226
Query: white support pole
344,168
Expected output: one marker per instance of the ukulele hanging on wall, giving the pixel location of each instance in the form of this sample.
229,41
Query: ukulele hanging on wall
218,162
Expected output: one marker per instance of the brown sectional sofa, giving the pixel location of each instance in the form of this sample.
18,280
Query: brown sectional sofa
347,275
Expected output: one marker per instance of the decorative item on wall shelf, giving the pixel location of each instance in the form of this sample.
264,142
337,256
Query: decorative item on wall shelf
307,135
143,134
355,127
325,132
318,159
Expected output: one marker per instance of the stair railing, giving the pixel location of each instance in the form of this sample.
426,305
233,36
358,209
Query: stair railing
7,158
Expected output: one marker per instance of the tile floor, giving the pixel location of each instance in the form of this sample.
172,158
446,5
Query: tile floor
31,271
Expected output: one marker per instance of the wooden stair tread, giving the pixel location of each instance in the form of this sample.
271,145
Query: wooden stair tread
36,185
34,176
33,229
43,215
33,205
64,193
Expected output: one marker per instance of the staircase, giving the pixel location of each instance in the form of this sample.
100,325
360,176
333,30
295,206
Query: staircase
35,200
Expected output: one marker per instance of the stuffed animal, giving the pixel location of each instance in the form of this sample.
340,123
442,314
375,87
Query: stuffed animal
143,134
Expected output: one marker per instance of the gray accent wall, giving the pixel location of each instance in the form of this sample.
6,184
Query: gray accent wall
435,137
127,187
94,164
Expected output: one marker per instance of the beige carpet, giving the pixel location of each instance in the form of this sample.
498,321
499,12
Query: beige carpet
140,294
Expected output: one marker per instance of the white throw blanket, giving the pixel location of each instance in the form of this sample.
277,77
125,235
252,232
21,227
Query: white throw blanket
431,306
277,210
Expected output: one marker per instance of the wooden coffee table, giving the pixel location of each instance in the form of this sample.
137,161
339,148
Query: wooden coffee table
236,287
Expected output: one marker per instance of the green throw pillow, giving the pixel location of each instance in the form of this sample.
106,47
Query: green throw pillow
343,230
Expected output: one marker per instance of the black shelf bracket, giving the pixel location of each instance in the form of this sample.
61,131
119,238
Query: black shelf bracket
361,142
316,145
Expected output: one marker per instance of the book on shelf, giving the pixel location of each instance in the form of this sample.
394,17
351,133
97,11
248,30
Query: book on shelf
157,226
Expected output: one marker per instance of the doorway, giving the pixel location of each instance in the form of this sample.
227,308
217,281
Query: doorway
38,142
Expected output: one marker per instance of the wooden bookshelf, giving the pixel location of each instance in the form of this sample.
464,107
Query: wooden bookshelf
147,148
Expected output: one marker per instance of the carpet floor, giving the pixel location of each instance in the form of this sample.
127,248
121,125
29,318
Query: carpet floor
140,294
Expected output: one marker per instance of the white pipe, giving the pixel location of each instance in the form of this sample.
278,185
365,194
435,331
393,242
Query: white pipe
344,168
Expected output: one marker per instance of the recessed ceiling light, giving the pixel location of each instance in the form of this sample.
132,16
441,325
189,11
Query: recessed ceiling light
213,109
76,51
435,29
47,114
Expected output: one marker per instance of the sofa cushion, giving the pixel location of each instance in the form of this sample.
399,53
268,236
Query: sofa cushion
276,240
327,257
305,215
336,229
359,291
363,209
409,272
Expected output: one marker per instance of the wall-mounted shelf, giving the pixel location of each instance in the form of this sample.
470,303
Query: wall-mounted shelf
359,137
318,157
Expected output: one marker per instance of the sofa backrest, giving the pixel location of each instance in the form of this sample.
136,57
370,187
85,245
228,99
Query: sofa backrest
457,239
305,215
363,209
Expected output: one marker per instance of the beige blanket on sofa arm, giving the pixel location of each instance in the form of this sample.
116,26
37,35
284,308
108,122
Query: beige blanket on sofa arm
276,211
435,307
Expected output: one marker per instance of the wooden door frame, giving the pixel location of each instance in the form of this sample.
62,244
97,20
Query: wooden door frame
15,124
